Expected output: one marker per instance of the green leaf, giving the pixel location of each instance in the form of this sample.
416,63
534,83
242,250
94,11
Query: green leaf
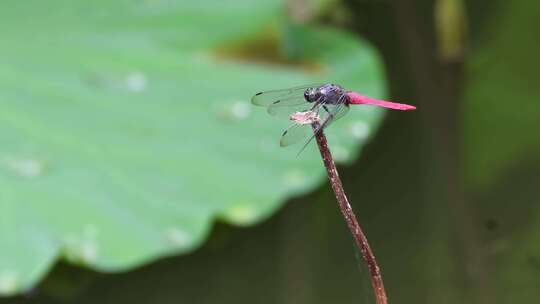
126,128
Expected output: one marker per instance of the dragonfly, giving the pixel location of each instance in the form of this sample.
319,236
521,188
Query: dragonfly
307,104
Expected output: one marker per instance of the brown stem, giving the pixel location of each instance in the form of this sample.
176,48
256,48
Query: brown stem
359,236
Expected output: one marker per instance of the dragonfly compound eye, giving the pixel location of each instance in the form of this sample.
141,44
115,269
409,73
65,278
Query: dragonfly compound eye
309,95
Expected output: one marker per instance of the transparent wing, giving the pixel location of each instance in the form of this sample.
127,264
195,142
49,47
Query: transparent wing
328,114
288,101
286,97
297,132
286,111
294,134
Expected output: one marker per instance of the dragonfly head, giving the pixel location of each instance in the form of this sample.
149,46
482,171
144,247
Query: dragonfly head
311,94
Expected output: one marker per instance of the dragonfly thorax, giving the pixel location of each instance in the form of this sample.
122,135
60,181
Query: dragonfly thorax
327,94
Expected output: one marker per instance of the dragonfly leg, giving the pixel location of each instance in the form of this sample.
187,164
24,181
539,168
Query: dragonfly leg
330,115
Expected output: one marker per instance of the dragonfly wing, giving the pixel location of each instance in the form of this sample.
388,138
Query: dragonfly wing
280,109
286,111
291,96
328,114
332,112
294,134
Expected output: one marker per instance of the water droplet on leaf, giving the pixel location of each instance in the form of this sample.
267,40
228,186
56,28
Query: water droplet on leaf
178,237
25,167
88,251
240,110
136,82
340,153
359,130
9,282
241,213
295,178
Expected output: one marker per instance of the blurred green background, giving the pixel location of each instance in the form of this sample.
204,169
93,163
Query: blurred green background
133,168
